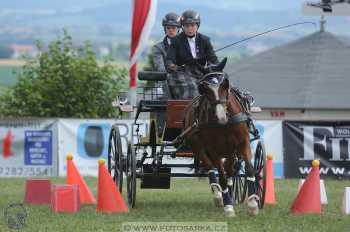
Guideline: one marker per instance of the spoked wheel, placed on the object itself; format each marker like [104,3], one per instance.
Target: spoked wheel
[239,183]
[131,175]
[115,157]
[260,173]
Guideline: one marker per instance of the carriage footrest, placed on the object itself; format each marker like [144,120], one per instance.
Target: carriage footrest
[155,180]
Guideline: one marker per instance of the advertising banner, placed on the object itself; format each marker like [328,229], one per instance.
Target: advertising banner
[327,141]
[28,147]
[87,141]
[271,134]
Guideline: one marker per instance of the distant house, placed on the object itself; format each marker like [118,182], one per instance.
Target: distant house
[19,50]
[104,51]
[307,79]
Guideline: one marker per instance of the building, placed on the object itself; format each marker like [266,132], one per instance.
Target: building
[23,50]
[307,79]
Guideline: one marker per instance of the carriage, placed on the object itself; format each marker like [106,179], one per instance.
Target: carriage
[144,159]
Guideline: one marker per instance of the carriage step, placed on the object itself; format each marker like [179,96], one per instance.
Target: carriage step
[184,154]
[175,154]
[155,180]
[152,105]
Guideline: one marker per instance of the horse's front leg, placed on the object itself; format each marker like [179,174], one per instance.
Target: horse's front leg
[215,187]
[198,149]
[226,194]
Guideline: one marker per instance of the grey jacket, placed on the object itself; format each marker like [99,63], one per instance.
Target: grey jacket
[159,52]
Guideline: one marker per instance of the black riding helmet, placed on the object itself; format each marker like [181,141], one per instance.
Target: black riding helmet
[171,19]
[190,16]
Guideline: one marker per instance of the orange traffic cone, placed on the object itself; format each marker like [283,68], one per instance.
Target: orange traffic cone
[270,185]
[109,199]
[73,177]
[308,199]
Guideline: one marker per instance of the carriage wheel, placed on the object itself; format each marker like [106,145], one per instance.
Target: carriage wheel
[260,170]
[115,157]
[131,175]
[239,183]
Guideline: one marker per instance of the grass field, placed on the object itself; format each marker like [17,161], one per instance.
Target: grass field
[188,200]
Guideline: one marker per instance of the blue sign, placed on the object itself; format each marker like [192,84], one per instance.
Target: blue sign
[38,147]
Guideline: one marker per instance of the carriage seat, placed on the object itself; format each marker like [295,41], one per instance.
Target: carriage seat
[152,76]
[174,118]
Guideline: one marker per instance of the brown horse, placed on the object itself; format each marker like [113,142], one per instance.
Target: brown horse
[222,133]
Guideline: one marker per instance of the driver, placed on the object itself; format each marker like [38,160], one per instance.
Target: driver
[188,49]
[190,46]
[171,25]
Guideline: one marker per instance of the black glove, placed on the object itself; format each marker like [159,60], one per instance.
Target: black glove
[173,68]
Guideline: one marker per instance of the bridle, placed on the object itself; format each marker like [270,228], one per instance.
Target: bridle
[218,82]
[233,118]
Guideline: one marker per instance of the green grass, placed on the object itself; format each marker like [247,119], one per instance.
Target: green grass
[187,200]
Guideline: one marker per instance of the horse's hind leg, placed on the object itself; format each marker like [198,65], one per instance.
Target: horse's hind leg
[229,167]
[253,208]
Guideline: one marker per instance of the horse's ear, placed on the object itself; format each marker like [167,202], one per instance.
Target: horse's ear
[220,66]
[202,69]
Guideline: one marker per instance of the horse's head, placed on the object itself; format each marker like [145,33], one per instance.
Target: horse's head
[215,88]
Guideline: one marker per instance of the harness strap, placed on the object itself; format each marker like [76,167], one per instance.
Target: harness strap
[238,118]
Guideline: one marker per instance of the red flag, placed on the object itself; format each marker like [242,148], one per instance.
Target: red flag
[6,145]
[132,73]
[144,14]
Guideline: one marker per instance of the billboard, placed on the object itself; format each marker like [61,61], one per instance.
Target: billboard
[28,147]
[327,141]
[271,134]
[87,140]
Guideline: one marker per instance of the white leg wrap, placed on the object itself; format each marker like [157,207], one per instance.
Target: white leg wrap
[252,204]
[216,186]
[217,191]
[229,211]
[229,181]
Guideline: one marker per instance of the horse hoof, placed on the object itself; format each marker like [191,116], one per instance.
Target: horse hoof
[253,207]
[229,211]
